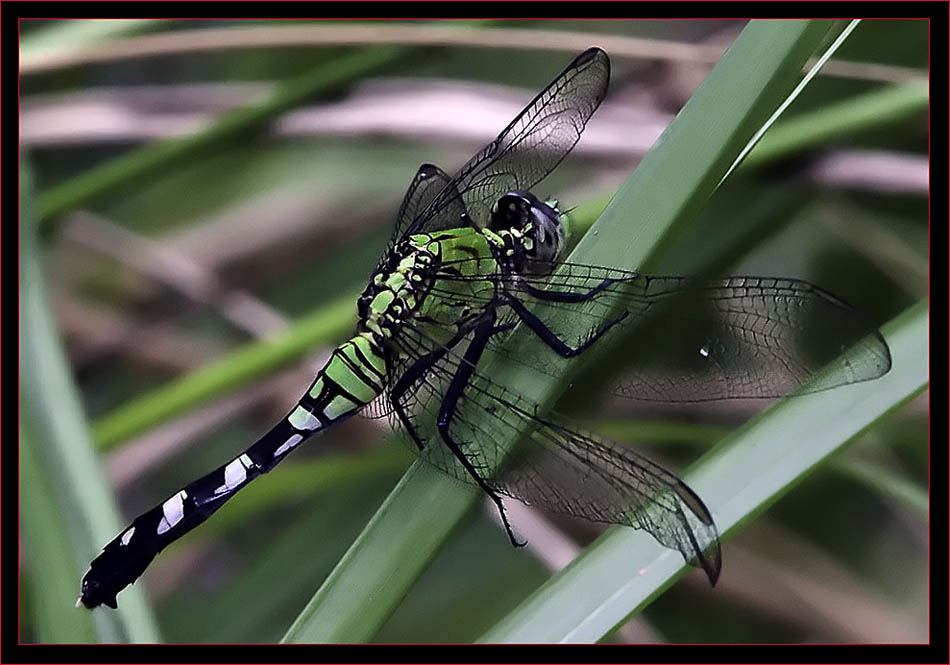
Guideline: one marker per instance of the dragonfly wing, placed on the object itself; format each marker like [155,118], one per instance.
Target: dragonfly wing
[693,341]
[427,183]
[750,337]
[554,465]
[527,150]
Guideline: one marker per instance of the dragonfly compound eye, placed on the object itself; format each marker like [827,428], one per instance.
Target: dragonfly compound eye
[537,223]
[512,211]
[545,238]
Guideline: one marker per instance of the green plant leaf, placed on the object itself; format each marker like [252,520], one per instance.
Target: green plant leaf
[52,570]
[879,107]
[65,37]
[61,459]
[124,171]
[226,374]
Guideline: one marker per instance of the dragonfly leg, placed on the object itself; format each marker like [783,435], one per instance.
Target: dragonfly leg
[405,382]
[551,339]
[483,332]
[407,423]
[409,378]
[572,296]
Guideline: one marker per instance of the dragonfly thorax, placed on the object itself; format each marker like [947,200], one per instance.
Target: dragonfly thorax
[396,289]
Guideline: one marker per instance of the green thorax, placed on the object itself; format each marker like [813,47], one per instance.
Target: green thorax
[409,282]
[418,280]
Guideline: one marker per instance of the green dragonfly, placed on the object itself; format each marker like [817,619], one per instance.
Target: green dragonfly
[476,256]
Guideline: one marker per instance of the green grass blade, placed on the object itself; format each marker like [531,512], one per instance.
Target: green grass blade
[123,171]
[227,373]
[62,458]
[65,37]
[888,484]
[875,477]
[866,112]
[812,72]
[386,559]
[624,570]
[860,113]
[52,569]
[752,78]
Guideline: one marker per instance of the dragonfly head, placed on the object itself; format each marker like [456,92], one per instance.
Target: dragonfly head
[538,224]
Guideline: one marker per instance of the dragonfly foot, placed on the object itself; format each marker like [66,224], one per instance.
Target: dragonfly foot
[504,520]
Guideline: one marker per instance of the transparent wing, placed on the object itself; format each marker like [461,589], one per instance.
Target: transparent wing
[554,465]
[690,341]
[428,182]
[526,151]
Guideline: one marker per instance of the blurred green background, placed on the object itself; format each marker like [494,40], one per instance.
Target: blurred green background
[157,271]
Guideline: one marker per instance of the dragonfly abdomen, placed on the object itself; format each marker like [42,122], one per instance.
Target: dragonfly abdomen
[353,377]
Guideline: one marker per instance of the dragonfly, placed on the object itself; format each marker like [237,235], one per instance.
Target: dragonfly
[475,258]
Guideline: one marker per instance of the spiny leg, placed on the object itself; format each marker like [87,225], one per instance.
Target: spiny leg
[571,296]
[412,374]
[405,382]
[483,332]
[418,370]
[552,340]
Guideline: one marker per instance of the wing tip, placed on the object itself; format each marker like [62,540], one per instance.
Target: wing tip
[711,561]
[590,53]
[708,556]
